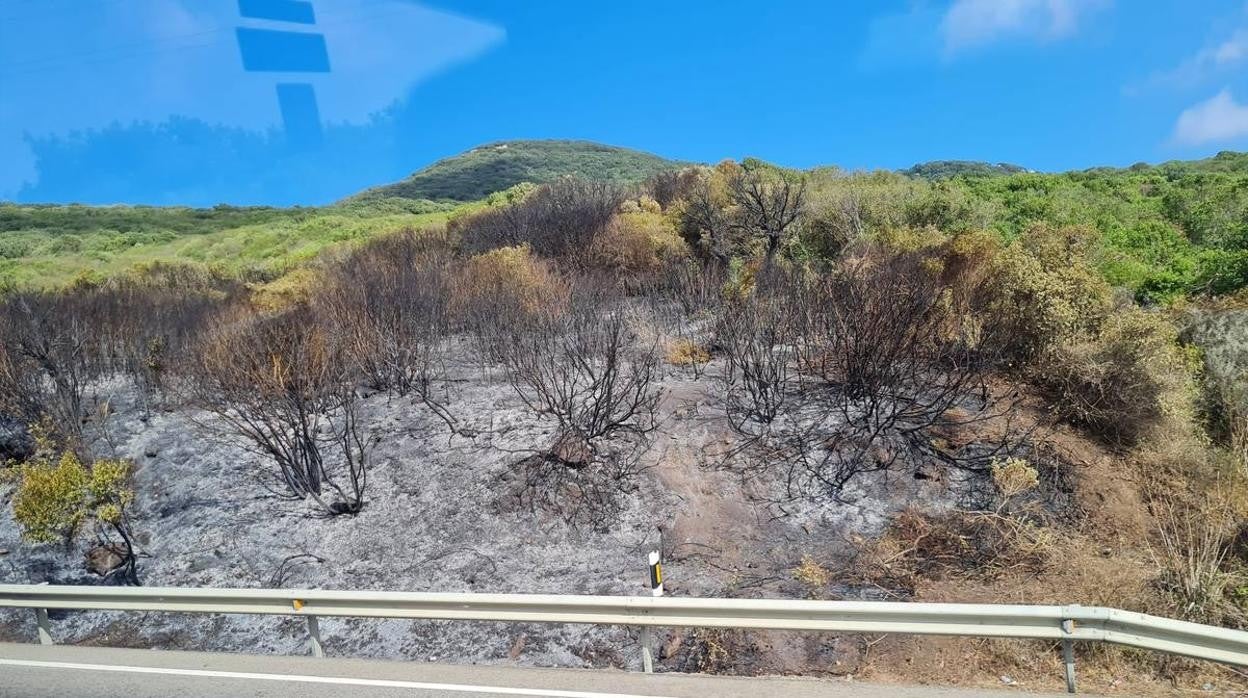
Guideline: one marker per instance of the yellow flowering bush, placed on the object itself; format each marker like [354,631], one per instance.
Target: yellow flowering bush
[55,497]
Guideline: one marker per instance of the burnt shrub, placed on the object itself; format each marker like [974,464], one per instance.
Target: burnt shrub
[287,387]
[670,186]
[48,356]
[55,346]
[585,366]
[561,220]
[862,369]
[146,344]
[388,305]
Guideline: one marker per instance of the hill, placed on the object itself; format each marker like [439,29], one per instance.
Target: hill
[1226,162]
[479,172]
[943,169]
[1165,230]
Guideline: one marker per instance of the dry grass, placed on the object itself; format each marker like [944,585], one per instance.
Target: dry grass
[638,241]
[1192,552]
[508,278]
[286,291]
[918,547]
[1080,571]
[686,352]
[1157,536]
[1238,440]
[813,576]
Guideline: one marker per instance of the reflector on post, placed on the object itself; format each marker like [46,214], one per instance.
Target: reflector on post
[656,589]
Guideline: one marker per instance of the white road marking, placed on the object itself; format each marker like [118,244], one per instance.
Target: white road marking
[336,680]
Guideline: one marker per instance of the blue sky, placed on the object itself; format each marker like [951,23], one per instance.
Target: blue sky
[154,101]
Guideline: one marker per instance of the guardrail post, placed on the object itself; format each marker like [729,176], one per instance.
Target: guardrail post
[647,655]
[1068,654]
[45,628]
[314,636]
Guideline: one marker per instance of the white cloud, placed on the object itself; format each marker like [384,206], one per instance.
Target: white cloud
[1231,51]
[1220,118]
[970,23]
[1207,62]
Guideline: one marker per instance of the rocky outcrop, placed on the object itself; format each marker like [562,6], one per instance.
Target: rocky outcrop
[103,559]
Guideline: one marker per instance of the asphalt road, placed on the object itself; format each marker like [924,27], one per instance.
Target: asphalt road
[35,671]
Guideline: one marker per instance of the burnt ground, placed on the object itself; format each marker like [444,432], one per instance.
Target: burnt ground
[442,515]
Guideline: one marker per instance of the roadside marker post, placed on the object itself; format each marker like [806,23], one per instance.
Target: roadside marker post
[656,589]
[656,574]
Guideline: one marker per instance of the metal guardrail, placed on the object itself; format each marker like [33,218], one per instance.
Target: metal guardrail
[1064,624]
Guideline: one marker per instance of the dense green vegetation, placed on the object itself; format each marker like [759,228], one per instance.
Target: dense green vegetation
[943,169]
[1225,161]
[1164,231]
[47,246]
[1163,234]
[497,166]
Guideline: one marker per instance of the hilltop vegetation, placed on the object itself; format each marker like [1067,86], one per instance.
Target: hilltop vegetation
[49,245]
[944,169]
[1164,232]
[1225,161]
[494,167]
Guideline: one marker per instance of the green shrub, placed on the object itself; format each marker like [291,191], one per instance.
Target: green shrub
[1049,289]
[56,497]
[638,241]
[1123,381]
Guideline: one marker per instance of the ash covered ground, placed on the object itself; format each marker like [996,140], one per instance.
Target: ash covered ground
[440,517]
